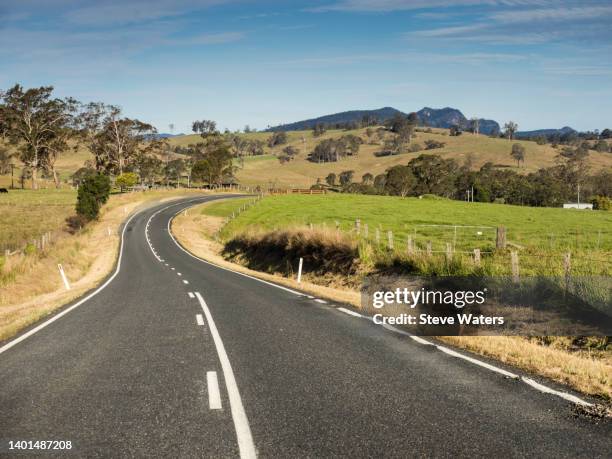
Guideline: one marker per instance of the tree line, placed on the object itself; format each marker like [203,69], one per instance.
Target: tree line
[432,174]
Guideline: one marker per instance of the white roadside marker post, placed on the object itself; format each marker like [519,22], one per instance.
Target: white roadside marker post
[299,277]
[64,278]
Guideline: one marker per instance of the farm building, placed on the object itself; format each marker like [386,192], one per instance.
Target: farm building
[578,205]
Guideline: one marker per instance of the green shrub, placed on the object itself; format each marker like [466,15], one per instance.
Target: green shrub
[601,203]
[93,193]
[126,180]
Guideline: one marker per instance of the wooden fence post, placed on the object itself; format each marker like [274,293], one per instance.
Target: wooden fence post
[477,257]
[377,236]
[429,251]
[500,241]
[358,225]
[567,268]
[410,246]
[449,251]
[337,225]
[366,230]
[390,239]
[515,267]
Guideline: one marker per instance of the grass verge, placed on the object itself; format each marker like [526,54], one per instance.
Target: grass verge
[586,370]
[31,287]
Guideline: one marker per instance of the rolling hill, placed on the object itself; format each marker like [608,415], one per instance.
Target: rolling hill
[479,149]
[437,118]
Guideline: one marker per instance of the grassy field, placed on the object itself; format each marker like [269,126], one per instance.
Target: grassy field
[27,214]
[526,226]
[541,236]
[266,170]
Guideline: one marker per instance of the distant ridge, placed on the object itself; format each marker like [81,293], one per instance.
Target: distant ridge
[545,132]
[440,118]
[352,116]
[162,135]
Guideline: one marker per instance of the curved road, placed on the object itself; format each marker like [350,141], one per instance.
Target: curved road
[178,358]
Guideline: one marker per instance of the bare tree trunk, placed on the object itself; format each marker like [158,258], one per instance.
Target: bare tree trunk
[34,178]
[56,178]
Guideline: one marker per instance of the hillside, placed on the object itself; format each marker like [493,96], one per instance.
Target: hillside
[437,118]
[267,170]
[381,114]
[545,132]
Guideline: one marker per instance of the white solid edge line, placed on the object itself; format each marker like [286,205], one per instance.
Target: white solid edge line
[191,295]
[214,396]
[318,300]
[241,423]
[17,340]
[199,319]
[478,362]
[222,267]
[529,381]
[402,332]
[548,390]
[349,312]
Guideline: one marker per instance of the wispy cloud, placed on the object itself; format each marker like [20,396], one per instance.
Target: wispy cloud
[554,14]
[358,59]
[118,12]
[449,31]
[579,70]
[399,5]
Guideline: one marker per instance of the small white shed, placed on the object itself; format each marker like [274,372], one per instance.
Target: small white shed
[577,205]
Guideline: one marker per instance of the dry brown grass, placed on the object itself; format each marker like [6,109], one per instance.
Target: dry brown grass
[32,287]
[196,233]
[587,372]
[300,172]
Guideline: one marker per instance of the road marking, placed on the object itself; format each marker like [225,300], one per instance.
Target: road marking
[548,390]
[477,362]
[172,269]
[191,295]
[349,312]
[185,282]
[222,267]
[57,316]
[199,319]
[166,264]
[178,274]
[214,396]
[402,332]
[413,337]
[320,301]
[488,366]
[241,423]
[19,339]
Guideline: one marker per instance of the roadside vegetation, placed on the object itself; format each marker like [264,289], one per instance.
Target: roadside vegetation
[269,235]
[30,283]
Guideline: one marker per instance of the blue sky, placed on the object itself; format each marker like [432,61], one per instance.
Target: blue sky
[541,63]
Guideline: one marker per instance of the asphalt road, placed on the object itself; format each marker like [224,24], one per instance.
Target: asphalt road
[131,373]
